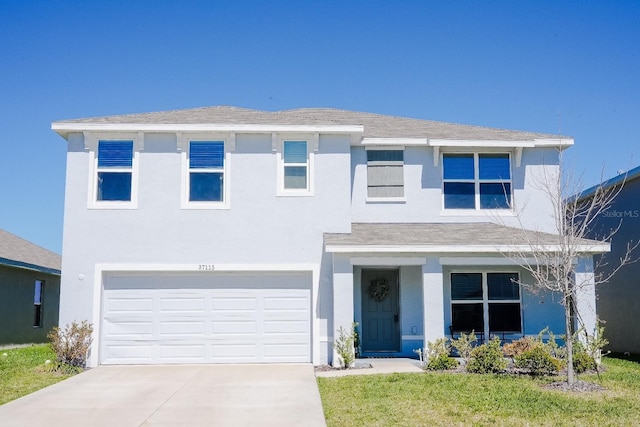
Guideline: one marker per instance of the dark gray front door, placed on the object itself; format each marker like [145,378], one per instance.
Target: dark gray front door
[380,310]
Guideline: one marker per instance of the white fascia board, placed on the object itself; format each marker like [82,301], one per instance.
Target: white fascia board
[480,143]
[450,249]
[554,142]
[64,128]
[394,141]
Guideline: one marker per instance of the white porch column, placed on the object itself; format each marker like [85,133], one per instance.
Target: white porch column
[433,300]
[586,293]
[342,297]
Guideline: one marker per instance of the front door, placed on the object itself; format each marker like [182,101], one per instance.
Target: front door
[380,310]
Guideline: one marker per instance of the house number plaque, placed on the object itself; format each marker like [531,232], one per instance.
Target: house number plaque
[206,267]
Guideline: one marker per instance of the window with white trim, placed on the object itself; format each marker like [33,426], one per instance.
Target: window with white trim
[385,173]
[37,303]
[205,174]
[295,168]
[476,180]
[486,302]
[114,171]
[206,171]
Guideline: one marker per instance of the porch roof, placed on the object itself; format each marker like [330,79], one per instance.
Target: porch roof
[466,238]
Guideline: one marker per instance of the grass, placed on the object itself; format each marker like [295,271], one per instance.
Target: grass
[439,399]
[22,371]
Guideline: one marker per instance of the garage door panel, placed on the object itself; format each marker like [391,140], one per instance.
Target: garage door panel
[231,327]
[286,327]
[286,303]
[233,303]
[130,305]
[124,354]
[172,328]
[184,303]
[130,329]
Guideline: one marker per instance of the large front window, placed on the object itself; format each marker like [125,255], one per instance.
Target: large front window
[486,302]
[476,181]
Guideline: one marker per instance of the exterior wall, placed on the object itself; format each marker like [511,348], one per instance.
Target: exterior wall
[16,305]
[423,201]
[618,302]
[539,310]
[258,228]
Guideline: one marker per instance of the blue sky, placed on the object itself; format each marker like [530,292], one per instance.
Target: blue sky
[570,67]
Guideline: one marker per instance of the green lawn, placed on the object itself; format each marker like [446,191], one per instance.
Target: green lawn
[21,371]
[447,399]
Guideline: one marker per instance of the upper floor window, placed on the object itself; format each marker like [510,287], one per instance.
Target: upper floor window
[477,181]
[114,172]
[485,302]
[205,178]
[295,164]
[385,174]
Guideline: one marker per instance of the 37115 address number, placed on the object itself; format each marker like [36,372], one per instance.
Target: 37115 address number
[206,267]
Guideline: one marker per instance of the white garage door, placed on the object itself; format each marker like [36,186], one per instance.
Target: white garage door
[215,318]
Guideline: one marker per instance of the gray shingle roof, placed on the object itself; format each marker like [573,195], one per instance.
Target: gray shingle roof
[18,252]
[439,235]
[375,125]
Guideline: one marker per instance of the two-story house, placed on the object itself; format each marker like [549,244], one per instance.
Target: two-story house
[223,234]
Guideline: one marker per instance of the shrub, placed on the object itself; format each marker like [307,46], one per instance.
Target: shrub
[344,347]
[72,343]
[487,358]
[437,348]
[442,363]
[583,362]
[464,344]
[537,361]
[516,348]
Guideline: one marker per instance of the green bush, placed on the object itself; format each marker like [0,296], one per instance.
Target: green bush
[487,358]
[464,344]
[442,363]
[582,362]
[537,361]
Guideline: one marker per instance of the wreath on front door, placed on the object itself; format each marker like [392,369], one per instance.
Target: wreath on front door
[379,289]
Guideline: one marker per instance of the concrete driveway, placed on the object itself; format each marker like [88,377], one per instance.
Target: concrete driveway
[175,395]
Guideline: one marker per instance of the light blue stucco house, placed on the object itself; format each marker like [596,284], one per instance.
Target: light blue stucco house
[230,235]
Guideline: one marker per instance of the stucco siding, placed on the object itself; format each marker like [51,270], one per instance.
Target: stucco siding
[618,301]
[423,200]
[258,228]
[17,305]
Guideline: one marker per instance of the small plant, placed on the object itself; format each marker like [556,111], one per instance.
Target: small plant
[72,343]
[537,361]
[464,345]
[487,358]
[344,347]
[583,362]
[437,355]
[442,363]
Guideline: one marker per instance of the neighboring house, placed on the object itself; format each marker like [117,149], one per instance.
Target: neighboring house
[618,301]
[29,290]
[223,234]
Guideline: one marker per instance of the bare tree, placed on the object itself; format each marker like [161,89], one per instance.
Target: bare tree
[551,258]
